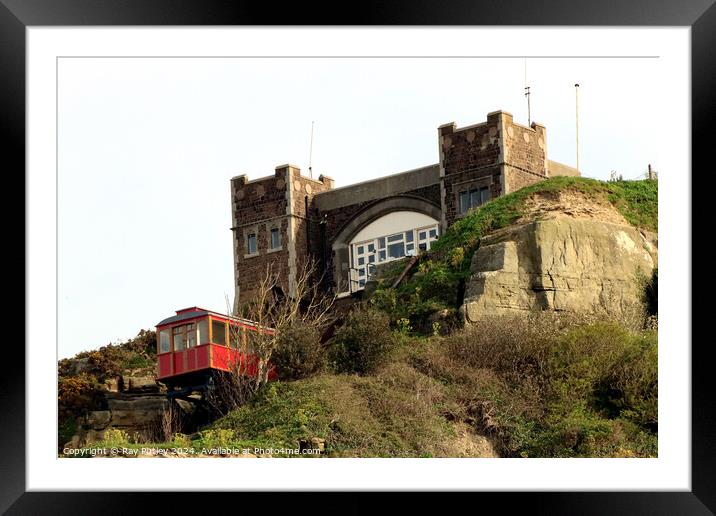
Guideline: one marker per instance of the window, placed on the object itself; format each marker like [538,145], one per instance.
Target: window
[396,250]
[179,338]
[218,332]
[473,198]
[203,331]
[251,247]
[184,336]
[275,238]
[190,335]
[164,341]
[366,255]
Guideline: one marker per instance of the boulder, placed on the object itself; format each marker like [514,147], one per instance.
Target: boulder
[140,384]
[562,263]
[98,419]
[113,384]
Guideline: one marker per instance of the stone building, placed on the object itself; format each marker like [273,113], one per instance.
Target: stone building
[287,218]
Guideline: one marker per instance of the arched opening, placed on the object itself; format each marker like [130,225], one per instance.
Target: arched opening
[390,237]
[398,226]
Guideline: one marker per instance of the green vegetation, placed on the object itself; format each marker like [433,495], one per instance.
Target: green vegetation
[81,379]
[363,343]
[395,381]
[436,284]
[298,352]
[539,387]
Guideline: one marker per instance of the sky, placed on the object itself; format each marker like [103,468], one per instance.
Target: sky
[147,148]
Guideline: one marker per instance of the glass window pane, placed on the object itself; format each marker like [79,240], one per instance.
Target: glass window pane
[361,271]
[251,244]
[218,332]
[203,331]
[474,198]
[410,247]
[484,195]
[371,258]
[423,235]
[275,238]
[164,345]
[371,248]
[396,250]
[381,255]
[360,249]
[361,283]
[381,243]
[361,261]
[408,236]
[179,342]
[395,238]
[191,338]
[433,233]
[464,200]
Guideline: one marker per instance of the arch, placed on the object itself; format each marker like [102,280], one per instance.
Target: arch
[340,243]
[380,208]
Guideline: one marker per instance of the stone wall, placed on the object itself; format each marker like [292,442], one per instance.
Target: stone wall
[282,201]
[469,157]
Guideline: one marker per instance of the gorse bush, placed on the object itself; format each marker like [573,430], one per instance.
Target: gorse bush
[363,343]
[298,352]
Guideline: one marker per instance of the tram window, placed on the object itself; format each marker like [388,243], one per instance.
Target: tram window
[164,341]
[191,336]
[203,331]
[179,340]
[218,332]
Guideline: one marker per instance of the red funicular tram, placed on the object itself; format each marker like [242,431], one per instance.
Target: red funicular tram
[196,344]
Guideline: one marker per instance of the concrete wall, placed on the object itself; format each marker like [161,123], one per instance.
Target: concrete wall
[381,188]
[560,169]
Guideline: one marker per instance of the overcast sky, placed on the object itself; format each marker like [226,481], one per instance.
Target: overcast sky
[147,148]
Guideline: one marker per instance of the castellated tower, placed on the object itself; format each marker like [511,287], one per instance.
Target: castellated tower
[273,223]
[486,160]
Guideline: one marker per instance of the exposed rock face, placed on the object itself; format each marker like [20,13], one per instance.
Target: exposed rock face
[134,404]
[562,262]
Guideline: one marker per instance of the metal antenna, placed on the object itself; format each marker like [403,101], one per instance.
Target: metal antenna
[527,94]
[576,105]
[310,155]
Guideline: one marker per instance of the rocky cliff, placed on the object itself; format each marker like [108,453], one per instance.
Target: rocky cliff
[568,252]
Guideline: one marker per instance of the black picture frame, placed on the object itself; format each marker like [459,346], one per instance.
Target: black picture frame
[700,15]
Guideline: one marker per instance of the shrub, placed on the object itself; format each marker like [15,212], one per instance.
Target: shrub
[114,437]
[78,394]
[551,386]
[363,343]
[298,352]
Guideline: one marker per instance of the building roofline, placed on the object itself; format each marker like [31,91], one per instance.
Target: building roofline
[381,178]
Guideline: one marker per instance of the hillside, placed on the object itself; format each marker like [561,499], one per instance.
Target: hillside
[404,378]
[549,384]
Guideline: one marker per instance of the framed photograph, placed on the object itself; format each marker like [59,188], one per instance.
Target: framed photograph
[417,253]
